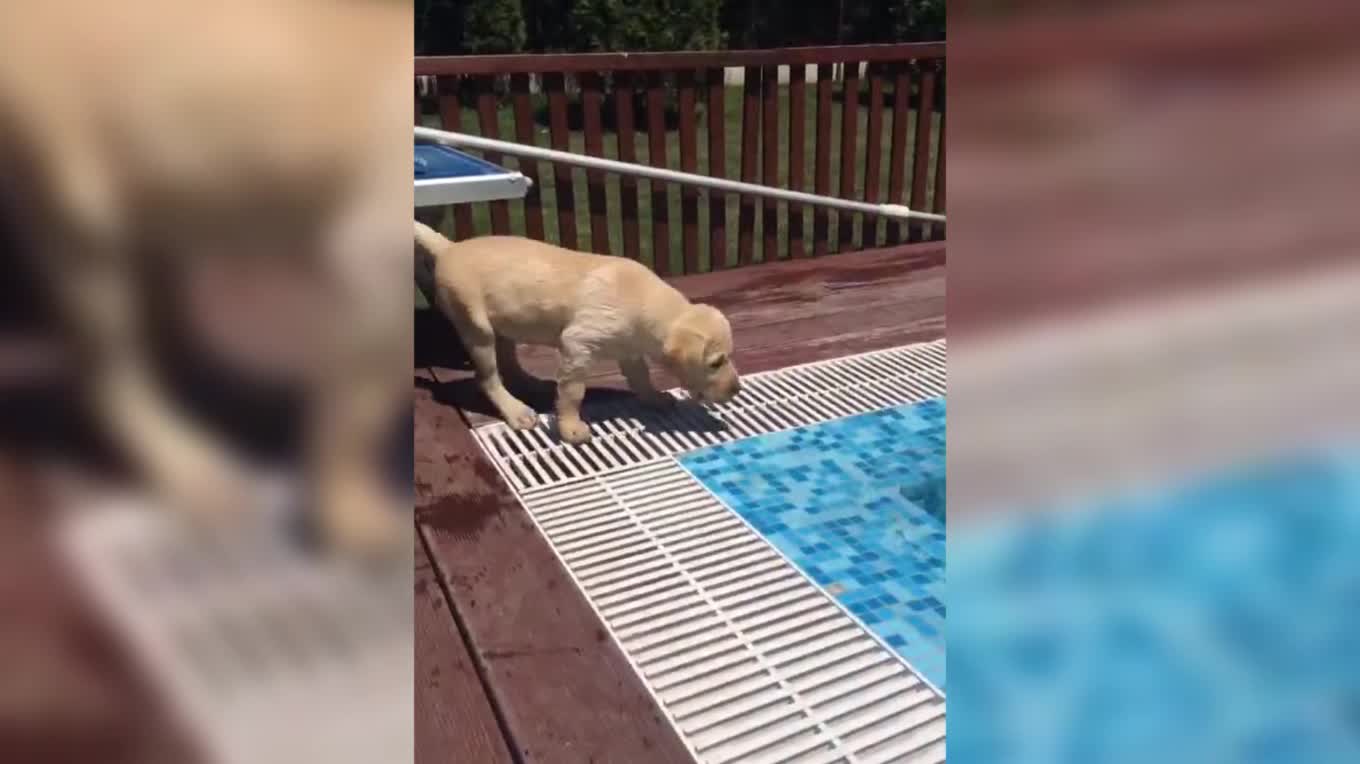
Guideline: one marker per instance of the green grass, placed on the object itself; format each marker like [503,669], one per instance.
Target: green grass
[732,139]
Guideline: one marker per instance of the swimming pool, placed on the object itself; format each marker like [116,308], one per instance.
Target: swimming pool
[1213,620]
[749,657]
[859,505]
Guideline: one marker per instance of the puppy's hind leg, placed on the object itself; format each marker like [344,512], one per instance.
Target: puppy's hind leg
[514,375]
[640,382]
[482,344]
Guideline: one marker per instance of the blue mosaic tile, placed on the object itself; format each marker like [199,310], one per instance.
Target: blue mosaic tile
[1217,619]
[859,505]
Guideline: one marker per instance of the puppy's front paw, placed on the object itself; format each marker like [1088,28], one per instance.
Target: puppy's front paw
[573,430]
[521,417]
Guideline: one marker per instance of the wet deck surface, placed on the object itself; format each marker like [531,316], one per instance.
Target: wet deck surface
[512,663]
[69,692]
[514,623]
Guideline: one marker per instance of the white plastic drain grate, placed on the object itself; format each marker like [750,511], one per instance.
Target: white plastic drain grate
[628,434]
[267,657]
[749,659]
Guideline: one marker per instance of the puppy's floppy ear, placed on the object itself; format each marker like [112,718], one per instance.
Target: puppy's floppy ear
[684,347]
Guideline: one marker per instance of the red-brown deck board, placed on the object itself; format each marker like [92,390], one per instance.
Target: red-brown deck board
[69,692]
[454,719]
[563,688]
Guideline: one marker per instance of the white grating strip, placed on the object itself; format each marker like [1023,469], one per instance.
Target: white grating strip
[268,657]
[751,661]
[627,434]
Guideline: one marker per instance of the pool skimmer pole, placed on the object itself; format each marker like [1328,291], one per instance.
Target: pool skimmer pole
[465,141]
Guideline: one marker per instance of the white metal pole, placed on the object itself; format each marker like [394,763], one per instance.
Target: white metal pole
[462,140]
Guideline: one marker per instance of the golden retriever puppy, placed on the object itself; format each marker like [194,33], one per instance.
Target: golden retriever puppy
[503,290]
[158,130]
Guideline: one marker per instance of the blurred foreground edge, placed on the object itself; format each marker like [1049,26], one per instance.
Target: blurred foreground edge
[124,637]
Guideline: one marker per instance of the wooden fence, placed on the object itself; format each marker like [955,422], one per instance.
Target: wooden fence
[875,132]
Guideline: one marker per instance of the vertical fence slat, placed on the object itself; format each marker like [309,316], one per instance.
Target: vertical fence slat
[489,123]
[717,167]
[873,155]
[897,162]
[849,150]
[920,166]
[750,160]
[822,169]
[592,104]
[451,118]
[689,162]
[624,103]
[769,161]
[937,229]
[797,168]
[823,156]
[524,133]
[560,136]
[656,156]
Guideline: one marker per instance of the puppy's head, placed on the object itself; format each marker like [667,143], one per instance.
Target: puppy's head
[698,351]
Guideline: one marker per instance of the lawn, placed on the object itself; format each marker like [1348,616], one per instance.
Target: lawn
[732,136]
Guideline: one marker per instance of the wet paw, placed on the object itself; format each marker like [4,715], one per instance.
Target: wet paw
[573,430]
[521,417]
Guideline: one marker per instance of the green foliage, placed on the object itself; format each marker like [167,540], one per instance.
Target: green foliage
[771,24]
[438,27]
[633,25]
[549,25]
[779,23]
[494,26]
[917,20]
[504,26]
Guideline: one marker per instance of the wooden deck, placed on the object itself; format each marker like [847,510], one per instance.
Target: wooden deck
[512,663]
[511,659]
[69,692]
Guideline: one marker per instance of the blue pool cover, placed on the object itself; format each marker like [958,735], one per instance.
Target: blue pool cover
[436,161]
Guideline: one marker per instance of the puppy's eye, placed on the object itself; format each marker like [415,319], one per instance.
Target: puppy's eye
[718,362]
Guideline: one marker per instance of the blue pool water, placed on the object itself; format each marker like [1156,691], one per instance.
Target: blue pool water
[1213,620]
[1209,620]
[859,505]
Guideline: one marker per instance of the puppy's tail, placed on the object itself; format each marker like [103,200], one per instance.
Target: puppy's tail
[429,239]
[429,245]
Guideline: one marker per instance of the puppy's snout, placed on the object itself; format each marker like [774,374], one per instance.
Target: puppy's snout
[728,392]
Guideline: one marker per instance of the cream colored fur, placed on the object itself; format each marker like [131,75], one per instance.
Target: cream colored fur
[500,291]
[195,130]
